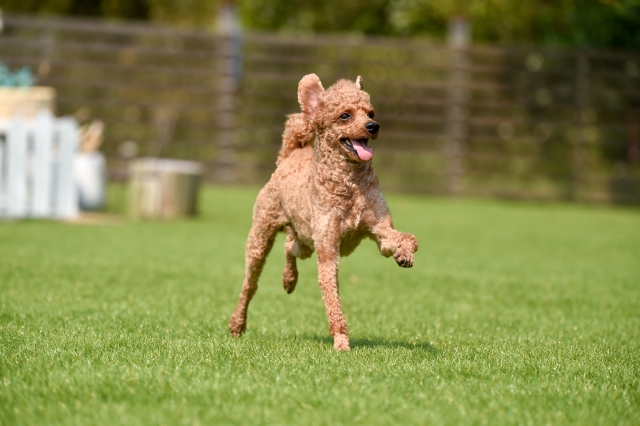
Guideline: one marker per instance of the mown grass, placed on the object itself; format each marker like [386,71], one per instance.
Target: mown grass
[512,314]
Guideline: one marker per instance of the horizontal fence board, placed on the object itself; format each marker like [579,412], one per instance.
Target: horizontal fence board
[178,52]
[99,28]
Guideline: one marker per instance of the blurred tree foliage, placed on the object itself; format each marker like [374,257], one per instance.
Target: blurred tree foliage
[194,13]
[580,23]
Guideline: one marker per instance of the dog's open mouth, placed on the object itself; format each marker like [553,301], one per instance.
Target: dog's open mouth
[358,147]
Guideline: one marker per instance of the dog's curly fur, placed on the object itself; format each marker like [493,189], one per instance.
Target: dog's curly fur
[324,196]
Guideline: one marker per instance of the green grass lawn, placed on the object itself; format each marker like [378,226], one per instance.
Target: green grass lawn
[512,314]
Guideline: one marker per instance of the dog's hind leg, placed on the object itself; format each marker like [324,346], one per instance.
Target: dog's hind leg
[290,274]
[293,249]
[267,221]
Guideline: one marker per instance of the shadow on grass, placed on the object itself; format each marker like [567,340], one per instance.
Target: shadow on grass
[377,342]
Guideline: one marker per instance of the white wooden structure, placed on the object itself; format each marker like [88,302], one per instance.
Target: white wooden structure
[36,167]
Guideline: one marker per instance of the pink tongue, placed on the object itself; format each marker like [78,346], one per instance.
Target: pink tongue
[364,152]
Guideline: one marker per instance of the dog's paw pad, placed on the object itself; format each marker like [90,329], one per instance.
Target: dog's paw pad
[404,259]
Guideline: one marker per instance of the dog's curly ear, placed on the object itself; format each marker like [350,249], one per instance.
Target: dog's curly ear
[309,91]
[359,84]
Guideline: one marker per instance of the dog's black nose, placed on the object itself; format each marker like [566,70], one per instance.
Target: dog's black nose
[372,127]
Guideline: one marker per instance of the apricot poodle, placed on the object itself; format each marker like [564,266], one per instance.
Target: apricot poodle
[325,195]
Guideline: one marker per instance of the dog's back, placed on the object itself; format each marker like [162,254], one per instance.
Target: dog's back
[298,133]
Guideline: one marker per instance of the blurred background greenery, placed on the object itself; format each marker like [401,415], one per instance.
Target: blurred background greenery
[571,23]
[542,103]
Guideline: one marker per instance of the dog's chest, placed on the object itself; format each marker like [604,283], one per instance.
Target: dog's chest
[344,201]
[352,213]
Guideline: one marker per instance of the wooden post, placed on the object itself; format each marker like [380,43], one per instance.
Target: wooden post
[47,45]
[457,129]
[229,72]
[579,144]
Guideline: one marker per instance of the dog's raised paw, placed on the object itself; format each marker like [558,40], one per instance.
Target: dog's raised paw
[403,258]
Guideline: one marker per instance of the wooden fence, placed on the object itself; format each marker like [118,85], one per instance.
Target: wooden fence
[516,122]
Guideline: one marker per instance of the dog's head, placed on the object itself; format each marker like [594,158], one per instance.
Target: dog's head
[342,114]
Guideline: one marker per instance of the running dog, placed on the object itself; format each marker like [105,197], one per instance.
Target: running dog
[325,195]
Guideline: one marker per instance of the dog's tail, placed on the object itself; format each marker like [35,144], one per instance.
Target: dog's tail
[298,133]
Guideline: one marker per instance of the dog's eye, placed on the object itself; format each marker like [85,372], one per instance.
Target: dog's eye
[371,114]
[345,116]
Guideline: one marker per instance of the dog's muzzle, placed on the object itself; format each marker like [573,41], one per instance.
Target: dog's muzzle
[372,127]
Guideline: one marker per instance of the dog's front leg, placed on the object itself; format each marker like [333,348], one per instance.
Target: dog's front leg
[401,245]
[327,243]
